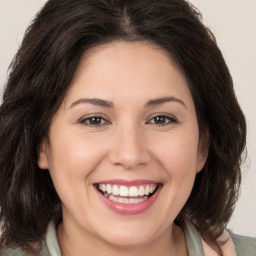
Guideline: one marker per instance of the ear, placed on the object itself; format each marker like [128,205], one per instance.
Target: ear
[202,151]
[42,153]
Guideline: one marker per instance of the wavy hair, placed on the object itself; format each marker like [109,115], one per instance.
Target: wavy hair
[41,74]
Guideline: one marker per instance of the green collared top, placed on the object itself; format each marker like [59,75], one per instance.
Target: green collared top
[244,246]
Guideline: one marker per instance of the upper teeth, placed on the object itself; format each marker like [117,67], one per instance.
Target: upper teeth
[133,191]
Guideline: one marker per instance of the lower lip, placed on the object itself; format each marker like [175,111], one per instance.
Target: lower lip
[129,209]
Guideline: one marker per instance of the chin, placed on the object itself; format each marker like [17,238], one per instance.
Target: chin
[128,238]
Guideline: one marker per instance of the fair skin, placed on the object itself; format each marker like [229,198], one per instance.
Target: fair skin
[128,117]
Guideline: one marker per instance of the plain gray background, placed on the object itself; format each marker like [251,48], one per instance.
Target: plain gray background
[234,24]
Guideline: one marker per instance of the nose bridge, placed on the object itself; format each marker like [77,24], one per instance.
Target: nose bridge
[129,147]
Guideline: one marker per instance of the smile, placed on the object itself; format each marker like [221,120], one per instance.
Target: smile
[125,191]
[128,199]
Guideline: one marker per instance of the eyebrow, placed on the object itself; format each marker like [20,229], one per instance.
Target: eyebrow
[164,100]
[109,104]
[93,101]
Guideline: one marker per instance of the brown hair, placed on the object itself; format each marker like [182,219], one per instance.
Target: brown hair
[40,77]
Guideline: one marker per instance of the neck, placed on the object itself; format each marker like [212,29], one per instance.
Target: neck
[171,242]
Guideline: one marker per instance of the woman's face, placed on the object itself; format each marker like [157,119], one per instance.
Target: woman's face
[124,147]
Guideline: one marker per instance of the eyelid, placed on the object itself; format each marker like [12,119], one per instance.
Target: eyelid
[171,117]
[85,118]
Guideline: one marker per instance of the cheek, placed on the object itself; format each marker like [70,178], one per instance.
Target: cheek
[178,157]
[71,161]
[178,154]
[180,163]
[180,166]
[75,153]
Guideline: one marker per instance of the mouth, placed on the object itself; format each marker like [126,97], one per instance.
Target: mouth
[128,197]
[127,194]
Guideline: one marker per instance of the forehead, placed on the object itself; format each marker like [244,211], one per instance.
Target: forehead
[124,68]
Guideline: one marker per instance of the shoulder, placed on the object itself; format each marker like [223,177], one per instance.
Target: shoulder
[49,245]
[11,251]
[16,251]
[244,245]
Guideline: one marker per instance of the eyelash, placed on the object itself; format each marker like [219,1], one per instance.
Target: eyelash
[164,120]
[88,121]
[96,121]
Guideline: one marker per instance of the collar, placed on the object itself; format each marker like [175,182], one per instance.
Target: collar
[198,247]
[195,244]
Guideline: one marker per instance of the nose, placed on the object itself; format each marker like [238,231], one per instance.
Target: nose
[129,148]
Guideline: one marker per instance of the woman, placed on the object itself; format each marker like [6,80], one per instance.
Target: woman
[121,134]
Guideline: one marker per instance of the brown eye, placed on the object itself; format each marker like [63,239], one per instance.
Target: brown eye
[162,120]
[94,121]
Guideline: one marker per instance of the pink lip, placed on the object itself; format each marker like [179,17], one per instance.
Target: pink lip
[127,182]
[129,209]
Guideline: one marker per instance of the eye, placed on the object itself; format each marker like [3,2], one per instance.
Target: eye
[94,121]
[162,120]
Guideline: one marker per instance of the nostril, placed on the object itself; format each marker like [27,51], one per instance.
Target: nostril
[129,160]
[128,149]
